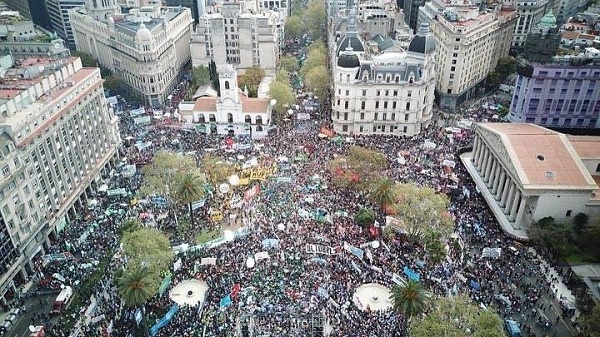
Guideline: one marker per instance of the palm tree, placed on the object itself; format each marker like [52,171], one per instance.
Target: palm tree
[383,193]
[188,189]
[410,298]
[136,286]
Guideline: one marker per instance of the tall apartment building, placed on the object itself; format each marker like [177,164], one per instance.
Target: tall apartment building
[530,13]
[147,48]
[411,12]
[388,93]
[469,40]
[238,37]
[562,94]
[569,8]
[57,134]
[34,10]
[58,12]
[21,38]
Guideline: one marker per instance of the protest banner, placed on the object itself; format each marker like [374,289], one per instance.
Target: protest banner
[261,256]
[206,261]
[319,249]
[354,250]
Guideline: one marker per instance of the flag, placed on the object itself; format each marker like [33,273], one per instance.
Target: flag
[225,301]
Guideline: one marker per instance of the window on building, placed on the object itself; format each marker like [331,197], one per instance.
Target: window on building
[345,128]
[362,115]
[568,214]
[346,105]
[363,105]
[377,105]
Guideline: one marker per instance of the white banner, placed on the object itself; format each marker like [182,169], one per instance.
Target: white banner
[319,249]
[397,279]
[177,265]
[205,261]
[491,252]
[449,163]
[261,256]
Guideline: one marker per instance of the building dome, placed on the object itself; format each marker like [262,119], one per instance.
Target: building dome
[423,42]
[348,60]
[350,42]
[143,33]
[549,20]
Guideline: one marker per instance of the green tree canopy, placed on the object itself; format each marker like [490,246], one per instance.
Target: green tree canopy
[189,188]
[293,27]
[316,58]
[316,16]
[216,169]
[148,247]
[365,217]
[457,316]
[421,209]
[554,236]
[359,169]
[130,225]
[410,298]
[591,323]
[383,192]
[136,286]
[284,96]
[200,76]
[163,171]
[289,63]
[251,80]
[318,81]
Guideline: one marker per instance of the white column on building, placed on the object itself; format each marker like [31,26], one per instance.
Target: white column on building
[482,158]
[515,206]
[505,191]
[500,186]
[497,177]
[476,142]
[488,168]
[510,198]
[520,211]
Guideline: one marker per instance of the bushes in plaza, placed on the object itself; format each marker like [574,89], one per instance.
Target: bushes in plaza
[365,217]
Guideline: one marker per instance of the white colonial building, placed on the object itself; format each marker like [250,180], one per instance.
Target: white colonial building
[230,113]
[147,47]
[382,93]
[235,35]
[526,172]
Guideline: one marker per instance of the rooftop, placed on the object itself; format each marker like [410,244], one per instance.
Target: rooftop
[541,157]
[25,73]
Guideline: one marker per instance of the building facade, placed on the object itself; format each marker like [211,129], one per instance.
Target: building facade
[411,12]
[530,13]
[56,136]
[469,42]
[238,37]
[526,172]
[543,41]
[58,12]
[387,93]
[231,112]
[147,47]
[563,94]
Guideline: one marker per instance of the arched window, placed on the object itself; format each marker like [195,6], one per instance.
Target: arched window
[230,118]
[226,84]
[347,78]
[211,118]
[258,128]
[247,119]
[258,120]
[201,119]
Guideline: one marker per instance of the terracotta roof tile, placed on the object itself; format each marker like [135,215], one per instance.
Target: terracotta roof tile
[206,104]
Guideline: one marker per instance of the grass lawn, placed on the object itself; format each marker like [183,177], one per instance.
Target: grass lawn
[205,236]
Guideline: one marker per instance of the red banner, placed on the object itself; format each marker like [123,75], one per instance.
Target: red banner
[251,192]
[327,132]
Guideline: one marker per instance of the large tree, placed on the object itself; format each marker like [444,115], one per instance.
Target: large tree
[284,96]
[359,169]
[163,171]
[317,57]
[217,170]
[457,316]
[591,323]
[147,247]
[318,81]
[316,17]
[200,75]
[189,188]
[421,209]
[289,63]
[293,27]
[251,80]
[136,287]
[383,193]
[410,298]
[556,237]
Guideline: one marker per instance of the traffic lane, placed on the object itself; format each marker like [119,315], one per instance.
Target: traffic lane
[33,305]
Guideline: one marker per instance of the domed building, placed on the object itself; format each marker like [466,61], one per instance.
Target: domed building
[148,47]
[388,93]
[543,41]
